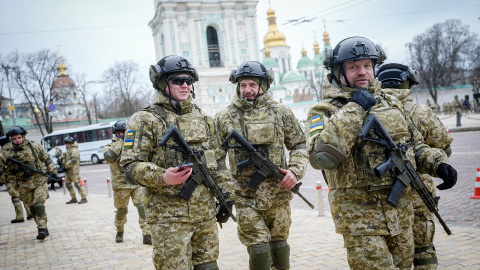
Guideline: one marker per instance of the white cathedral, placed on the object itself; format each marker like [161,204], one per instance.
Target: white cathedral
[218,35]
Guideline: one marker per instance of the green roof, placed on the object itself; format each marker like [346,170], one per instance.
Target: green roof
[269,62]
[276,87]
[318,59]
[304,62]
[293,77]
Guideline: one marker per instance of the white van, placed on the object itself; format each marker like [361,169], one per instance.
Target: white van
[91,140]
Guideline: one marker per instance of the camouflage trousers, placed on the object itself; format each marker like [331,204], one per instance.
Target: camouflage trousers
[262,222]
[32,196]
[183,245]
[75,179]
[121,198]
[380,252]
[17,203]
[423,232]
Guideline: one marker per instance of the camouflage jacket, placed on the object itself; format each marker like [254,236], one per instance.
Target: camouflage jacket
[71,159]
[144,161]
[33,155]
[112,153]
[336,122]
[268,125]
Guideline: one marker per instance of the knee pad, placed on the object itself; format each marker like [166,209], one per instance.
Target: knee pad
[141,210]
[32,210]
[77,185]
[122,213]
[260,257]
[280,254]
[425,256]
[15,199]
[206,266]
[69,185]
[39,209]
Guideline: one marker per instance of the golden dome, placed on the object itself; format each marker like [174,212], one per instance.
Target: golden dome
[304,52]
[61,68]
[273,38]
[326,38]
[316,47]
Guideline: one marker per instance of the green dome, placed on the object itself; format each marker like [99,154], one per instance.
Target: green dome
[293,77]
[318,59]
[269,62]
[304,62]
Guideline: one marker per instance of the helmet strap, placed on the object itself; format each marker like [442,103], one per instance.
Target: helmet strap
[172,101]
[342,73]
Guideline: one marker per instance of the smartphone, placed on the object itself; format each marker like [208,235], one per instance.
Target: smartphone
[183,166]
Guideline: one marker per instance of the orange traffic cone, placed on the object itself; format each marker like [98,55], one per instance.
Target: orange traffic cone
[81,182]
[476,193]
[448,131]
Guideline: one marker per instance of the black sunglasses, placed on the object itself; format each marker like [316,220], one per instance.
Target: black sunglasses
[183,79]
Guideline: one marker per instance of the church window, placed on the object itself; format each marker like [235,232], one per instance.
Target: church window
[283,65]
[213,47]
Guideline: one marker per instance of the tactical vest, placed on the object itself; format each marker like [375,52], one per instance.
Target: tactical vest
[263,132]
[27,156]
[194,129]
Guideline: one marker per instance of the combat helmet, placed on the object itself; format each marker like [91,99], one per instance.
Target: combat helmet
[252,69]
[393,75]
[16,130]
[351,49]
[69,140]
[170,64]
[119,126]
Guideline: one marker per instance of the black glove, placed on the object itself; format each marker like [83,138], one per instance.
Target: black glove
[222,212]
[364,98]
[448,175]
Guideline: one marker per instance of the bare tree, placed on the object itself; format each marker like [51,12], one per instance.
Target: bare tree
[84,90]
[441,55]
[125,89]
[35,74]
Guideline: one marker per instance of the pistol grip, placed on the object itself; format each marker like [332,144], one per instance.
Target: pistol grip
[396,193]
[188,189]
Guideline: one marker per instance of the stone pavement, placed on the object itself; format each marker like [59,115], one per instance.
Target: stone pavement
[82,237]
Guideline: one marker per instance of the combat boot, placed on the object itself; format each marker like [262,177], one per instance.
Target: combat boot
[46,232]
[17,220]
[119,237]
[147,239]
[29,217]
[41,234]
[73,200]
[83,200]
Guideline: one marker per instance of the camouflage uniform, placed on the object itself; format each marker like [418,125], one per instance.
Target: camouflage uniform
[71,159]
[12,188]
[184,233]
[435,136]
[456,105]
[376,234]
[122,191]
[31,186]
[264,215]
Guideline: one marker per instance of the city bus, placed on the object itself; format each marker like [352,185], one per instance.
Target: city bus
[91,140]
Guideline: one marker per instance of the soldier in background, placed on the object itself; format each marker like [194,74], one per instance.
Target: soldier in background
[122,191]
[436,136]
[376,234]
[456,105]
[184,233]
[31,185]
[10,184]
[71,160]
[264,215]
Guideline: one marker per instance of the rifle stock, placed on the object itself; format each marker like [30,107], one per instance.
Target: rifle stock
[200,174]
[264,165]
[398,165]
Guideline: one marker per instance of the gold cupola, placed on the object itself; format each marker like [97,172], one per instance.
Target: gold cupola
[326,38]
[273,38]
[62,69]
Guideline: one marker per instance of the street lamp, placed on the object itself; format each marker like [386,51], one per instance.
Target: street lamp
[11,108]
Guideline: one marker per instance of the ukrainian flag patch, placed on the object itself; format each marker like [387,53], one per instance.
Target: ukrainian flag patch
[316,124]
[129,138]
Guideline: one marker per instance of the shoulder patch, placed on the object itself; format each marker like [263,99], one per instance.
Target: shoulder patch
[316,124]
[129,138]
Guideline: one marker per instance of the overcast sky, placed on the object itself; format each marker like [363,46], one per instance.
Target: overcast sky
[93,34]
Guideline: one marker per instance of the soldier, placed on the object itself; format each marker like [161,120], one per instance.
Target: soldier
[11,185]
[263,214]
[456,105]
[31,185]
[436,136]
[184,233]
[122,191]
[71,160]
[376,234]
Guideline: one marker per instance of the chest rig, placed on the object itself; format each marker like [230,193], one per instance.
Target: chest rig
[260,129]
[27,156]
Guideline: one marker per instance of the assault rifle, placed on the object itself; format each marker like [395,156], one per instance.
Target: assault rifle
[398,165]
[265,166]
[200,173]
[29,169]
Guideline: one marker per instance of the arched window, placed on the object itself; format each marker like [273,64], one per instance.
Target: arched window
[213,48]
